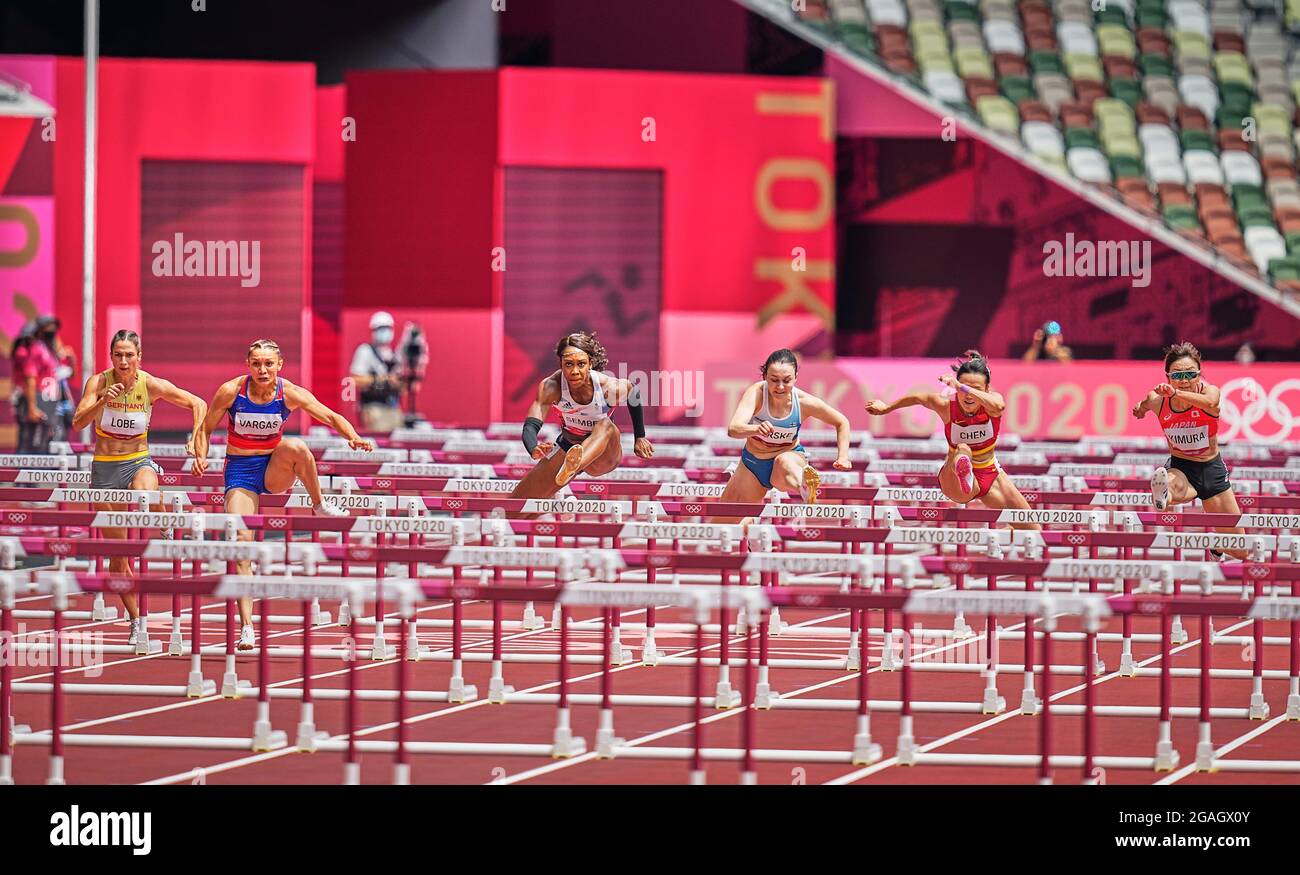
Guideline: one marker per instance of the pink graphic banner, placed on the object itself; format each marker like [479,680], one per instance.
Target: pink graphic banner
[26,262]
[1261,403]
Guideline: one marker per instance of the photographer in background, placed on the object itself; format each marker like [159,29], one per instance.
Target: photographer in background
[415,359]
[1049,345]
[376,373]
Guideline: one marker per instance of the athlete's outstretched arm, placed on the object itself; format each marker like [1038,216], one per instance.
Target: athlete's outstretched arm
[91,402]
[625,392]
[1207,399]
[740,426]
[299,398]
[992,402]
[168,391]
[932,400]
[548,393]
[1149,404]
[816,408]
[217,410]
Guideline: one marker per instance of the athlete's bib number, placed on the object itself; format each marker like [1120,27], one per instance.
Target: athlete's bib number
[127,423]
[258,424]
[972,434]
[581,423]
[1194,438]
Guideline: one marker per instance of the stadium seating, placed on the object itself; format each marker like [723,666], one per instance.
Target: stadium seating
[1183,109]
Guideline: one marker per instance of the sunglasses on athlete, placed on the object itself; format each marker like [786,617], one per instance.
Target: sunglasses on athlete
[1184,375]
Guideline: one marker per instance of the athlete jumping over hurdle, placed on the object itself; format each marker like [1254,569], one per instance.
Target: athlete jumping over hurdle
[972,420]
[1195,469]
[256,406]
[589,441]
[769,416]
[119,402]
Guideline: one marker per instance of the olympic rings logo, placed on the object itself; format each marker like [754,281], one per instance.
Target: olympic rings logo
[61,548]
[959,567]
[1259,572]
[170,479]
[1257,404]
[383,484]
[544,529]
[16,517]
[928,513]
[657,560]
[810,534]
[362,554]
[1168,519]
[694,508]
[277,522]
[597,488]
[1076,540]
[455,504]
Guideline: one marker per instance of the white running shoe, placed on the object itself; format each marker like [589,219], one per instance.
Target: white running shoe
[329,508]
[1160,489]
[247,641]
[965,474]
[135,632]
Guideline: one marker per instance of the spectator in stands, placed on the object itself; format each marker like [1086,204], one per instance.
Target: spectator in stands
[1049,344]
[47,331]
[1245,355]
[375,373]
[36,404]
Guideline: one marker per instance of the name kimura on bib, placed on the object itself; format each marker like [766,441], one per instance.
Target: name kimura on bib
[258,424]
[1189,438]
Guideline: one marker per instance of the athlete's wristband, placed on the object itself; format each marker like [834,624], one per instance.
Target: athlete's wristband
[532,425]
[636,413]
[963,388]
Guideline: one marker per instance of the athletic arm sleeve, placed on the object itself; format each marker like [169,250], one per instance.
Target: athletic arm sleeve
[532,425]
[635,412]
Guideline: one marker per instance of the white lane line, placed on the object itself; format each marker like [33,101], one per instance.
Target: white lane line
[455,709]
[587,757]
[970,730]
[1174,777]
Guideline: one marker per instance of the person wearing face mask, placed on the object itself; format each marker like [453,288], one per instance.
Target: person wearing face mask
[374,371]
[59,392]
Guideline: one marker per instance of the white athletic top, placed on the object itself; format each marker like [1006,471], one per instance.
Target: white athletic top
[784,430]
[580,419]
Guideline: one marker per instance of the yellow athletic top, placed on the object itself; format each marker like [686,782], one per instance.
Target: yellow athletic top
[126,417]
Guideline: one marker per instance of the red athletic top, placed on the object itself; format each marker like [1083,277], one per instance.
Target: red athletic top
[978,430]
[1190,431]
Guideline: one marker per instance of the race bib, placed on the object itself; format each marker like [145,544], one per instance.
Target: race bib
[1189,438]
[972,434]
[779,435]
[123,423]
[258,424]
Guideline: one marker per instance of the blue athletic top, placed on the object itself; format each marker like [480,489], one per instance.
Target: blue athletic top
[257,426]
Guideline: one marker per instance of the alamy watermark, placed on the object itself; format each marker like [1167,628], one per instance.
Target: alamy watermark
[684,389]
[80,650]
[206,258]
[1103,258]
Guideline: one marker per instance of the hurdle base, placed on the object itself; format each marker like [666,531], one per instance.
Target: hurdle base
[232,687]
[621,654]
[1098,667]
[763,696]
[266,739]
[906,752]
[101,612]
[889,661]
[649,652]
[322,618]
[865,751]
[1127,667]
[147,647]
[6,771]
[175,644]
[1177,634]
[308,736]
[351,774]
[1167,758]
[345,614]
[565,745]
[606,741]
[961,629]
[458,692]
[993,703]
[725,697]
[1258,707]
[498,689]
[1293,707]
[853,662]
[775,625]
[381,649]
[531,622]
[1205,757]
[1030,704]
[196,687]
